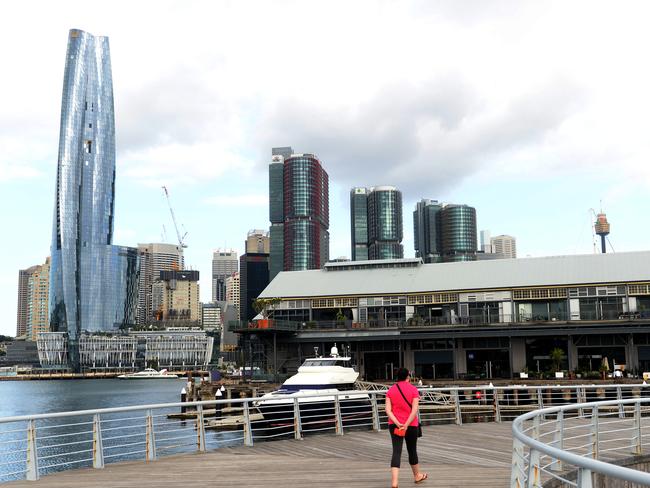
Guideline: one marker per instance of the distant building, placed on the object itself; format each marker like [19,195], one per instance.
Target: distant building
[444,232]
[376,223]
[33,301]
[504,245]
[211,316]
[154,258]
[232,291]
[176,297]
[23,301]
[486,244]
[298,211]
[224,264]
[257,242]
[253,278]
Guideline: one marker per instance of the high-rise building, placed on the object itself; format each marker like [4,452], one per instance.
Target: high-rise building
[154,258]
[359,223]
[426,231]
[93,284]
[385,223]
[505,246]
[253,278]
[232,291]
[211,316]
[175,297]
[458,230]
[33,298]
[299,212]
[224,264]
[257,242]
[486,242]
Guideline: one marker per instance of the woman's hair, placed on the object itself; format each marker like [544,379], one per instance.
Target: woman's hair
[402,374]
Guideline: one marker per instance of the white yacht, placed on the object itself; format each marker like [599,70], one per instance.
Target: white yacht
[148,374]
[315,386]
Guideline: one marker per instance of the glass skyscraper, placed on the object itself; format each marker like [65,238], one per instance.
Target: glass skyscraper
[426,231]
[359,223]
[93,284]
[376,220]
[299,212]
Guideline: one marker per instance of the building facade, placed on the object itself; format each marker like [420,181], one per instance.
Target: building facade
[38,319]
[176,297]
[253,278]
[505,246]
[23,301]
[299,211]
[257,242]
[154,258]
[359,223]
[224,264]
[233,292]
[93,284]
[426,231]
[211,317]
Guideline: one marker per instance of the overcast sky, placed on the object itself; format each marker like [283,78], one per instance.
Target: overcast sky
[533,112]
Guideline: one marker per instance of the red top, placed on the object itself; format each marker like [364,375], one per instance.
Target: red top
[401,409]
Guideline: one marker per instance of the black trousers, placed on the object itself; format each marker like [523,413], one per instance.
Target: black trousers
[411,439]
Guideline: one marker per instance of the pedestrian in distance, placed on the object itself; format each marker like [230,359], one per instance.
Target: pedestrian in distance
[402,402]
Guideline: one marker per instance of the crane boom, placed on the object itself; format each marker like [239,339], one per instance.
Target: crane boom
[171,210]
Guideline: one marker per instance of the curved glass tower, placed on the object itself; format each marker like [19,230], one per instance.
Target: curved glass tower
[458,225]
[93,284]
[385,223]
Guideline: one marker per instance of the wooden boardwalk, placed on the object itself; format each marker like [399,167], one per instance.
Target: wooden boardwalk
[454,456]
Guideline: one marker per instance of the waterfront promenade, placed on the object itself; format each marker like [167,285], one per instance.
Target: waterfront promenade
[454,456]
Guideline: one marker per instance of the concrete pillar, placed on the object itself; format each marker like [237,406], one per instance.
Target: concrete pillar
[572,354]
[631,354]
[410,310]
[460,359]
[517,354]
[409,356]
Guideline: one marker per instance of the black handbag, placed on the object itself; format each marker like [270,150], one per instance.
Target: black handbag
[411,405]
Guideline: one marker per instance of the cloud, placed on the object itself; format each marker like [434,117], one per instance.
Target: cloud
[253,200]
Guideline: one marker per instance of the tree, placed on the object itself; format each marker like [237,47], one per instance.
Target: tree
[557,356]
[265,306]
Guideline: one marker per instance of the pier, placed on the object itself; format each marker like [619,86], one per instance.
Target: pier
[453,455]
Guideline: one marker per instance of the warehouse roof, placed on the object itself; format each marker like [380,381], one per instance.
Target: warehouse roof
[391,278]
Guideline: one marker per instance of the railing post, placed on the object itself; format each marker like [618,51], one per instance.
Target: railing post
[200,429]
[98,444]
[297,423]
[621,407]
[581,397]
[594,432]
[636,432]
[558,440]
[540,398]
[337,415]
[584,478]
[497,408]
[32,453]
[376,424]
[150,438]
[517,474]
[248,428]
[534,475]
[459,412]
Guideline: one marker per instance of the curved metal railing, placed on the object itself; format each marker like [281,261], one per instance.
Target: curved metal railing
[581,444]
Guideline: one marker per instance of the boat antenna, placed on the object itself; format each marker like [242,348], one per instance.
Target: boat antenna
[316,351]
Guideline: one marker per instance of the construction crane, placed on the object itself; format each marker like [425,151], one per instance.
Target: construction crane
[181,242]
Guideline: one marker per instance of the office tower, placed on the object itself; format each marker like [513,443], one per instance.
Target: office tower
[426,231]
[154,258]
[224,264]
[93,285]
[23,301]
[253,278]
[505,246]
[175,297]
[257,242]
[299,212]
[359,223]
[211,316]
[385,223]
[486,243]
[458,230]
[33,298]
[232,291]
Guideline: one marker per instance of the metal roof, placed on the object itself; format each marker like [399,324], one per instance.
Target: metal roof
[474,275]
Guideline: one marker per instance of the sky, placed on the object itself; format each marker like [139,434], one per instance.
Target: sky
[532,112]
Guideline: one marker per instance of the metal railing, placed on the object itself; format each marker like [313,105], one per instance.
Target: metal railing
[582,445]
[34,445]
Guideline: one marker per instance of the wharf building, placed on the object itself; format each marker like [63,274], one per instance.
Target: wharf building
[376,223]
[154,258]
[253,272]
[298,211]
[444,232]
[93,284]
[224,264]
[465,320]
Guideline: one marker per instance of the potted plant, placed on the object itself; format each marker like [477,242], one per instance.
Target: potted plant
[265,306]
[556,356]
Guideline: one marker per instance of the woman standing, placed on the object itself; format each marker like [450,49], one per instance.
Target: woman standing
[402,400]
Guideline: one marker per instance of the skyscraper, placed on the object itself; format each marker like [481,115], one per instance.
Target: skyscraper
[224,264]
[299,212]
[33,298]
[93,285]
[505,246]
[154,258]
[175,297]
[378,234]
[232,291]
[257,242]
[359,223]
[23,301]
[426,231]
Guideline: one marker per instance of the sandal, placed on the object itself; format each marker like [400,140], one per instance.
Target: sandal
[422,478]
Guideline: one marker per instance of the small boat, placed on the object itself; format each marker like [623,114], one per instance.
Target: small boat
[148,374]
[315,386]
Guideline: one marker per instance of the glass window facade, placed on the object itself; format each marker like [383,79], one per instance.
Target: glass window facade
[359,223]
[459,236]
[385,223]
[426,231]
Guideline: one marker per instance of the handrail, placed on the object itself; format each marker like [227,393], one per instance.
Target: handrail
[578,461]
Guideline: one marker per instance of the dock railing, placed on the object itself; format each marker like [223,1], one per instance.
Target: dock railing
[35,445]
[582,445]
